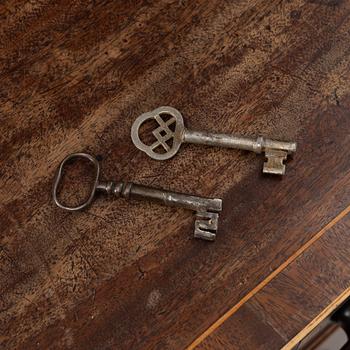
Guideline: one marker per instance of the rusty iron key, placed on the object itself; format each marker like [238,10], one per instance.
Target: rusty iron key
[171,132]
[206,209]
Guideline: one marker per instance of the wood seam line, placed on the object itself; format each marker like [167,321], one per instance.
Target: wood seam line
[267,280]
[317,320]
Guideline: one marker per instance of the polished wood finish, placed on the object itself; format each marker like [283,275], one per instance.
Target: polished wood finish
[129,275]
[296,301]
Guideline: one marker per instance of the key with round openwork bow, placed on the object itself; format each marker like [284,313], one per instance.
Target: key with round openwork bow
[171,132]
[206,209]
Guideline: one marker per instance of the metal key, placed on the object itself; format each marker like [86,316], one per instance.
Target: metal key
[206,209]
[171,132]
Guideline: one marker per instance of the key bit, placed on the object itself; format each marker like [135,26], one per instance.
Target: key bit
[170,134]
[274,163]
[206,225]
[207,208]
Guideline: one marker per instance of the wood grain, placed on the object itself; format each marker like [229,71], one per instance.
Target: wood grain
[298,299]
[291,258]
[129,275]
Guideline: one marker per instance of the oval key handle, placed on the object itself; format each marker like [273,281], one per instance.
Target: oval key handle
[166,139]
[60,174]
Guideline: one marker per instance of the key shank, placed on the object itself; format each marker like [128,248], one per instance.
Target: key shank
[276,152]
[239,142]
[134,191]
[206,209]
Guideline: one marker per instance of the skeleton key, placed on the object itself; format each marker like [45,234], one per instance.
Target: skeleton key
[206,209]
[171,133]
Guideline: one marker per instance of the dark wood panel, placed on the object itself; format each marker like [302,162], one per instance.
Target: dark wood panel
[245,330]
[312,283]
[294,299]
[74,76]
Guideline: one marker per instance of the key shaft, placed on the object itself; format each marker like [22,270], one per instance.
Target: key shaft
[257,145]
[206,209]
[276,152]
[169,198]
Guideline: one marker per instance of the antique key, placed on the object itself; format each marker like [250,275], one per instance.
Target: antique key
[171,132]
[206,209]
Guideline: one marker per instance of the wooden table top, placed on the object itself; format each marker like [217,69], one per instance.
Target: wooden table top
[128,274]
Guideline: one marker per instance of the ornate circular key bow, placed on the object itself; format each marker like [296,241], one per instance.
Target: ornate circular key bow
[276,152]
[166,139]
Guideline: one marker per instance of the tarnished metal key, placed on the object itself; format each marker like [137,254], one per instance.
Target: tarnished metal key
[206,209]
[171,132]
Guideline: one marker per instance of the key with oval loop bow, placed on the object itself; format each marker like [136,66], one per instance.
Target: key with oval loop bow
[206,209]
[171,133]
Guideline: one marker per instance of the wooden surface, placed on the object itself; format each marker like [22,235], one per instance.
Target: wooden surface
[129,275]
[279,314]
